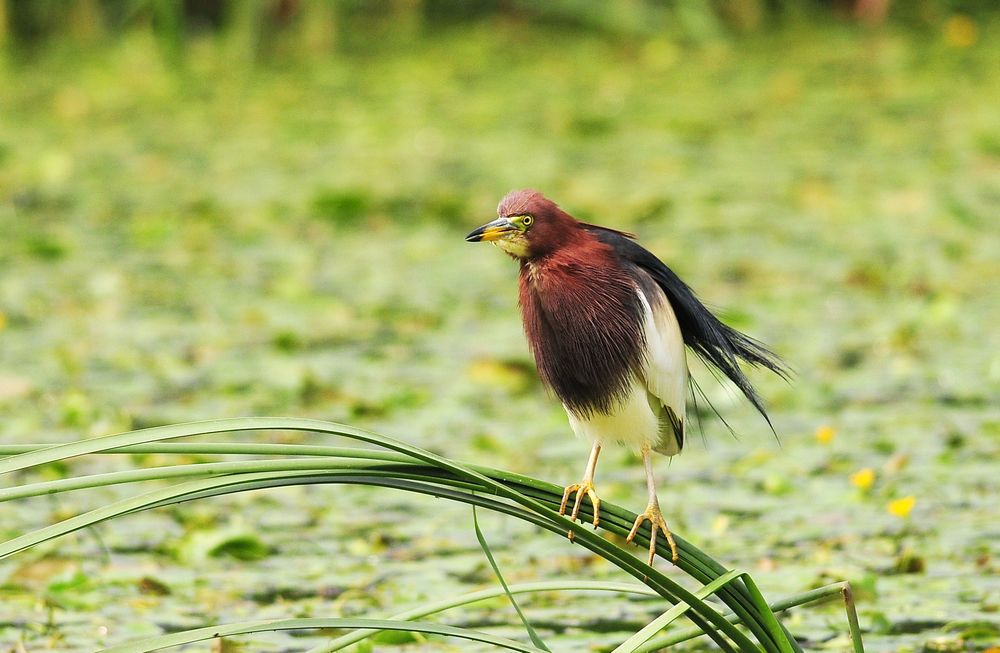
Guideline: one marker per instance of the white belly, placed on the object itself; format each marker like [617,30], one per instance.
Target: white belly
[632,424]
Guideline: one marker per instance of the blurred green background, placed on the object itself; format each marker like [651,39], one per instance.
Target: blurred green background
[218,208]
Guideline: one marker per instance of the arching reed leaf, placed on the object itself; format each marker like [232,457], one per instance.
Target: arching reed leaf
[692,561]
[467,599]
[702,614]
[656,625]
[402,467]
[532,634]
[249,627]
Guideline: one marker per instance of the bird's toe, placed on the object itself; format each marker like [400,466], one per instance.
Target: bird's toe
[657,524]
[581,490]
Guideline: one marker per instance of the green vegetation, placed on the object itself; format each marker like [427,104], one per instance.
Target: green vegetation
[404,467]
[200,233]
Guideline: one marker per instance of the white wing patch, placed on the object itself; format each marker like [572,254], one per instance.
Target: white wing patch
[665,371]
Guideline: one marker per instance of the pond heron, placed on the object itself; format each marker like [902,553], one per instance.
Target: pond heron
[607,323]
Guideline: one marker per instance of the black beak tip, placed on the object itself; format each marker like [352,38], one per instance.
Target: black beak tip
[475,236]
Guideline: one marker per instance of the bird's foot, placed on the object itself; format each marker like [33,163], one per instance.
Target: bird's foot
[657,523]
[581,489]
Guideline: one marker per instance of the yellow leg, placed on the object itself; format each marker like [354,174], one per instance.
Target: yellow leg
[652,514]
[584,487]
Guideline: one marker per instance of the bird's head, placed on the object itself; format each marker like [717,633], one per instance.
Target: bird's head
[529,225]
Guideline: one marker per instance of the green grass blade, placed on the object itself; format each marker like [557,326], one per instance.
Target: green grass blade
[180,471]
[770,621]
[501,484]
[826,592]
[117,509]
[227,448]
[820,594]
[693,560]
[94,445]
[532,634]
[197,489]
[426,488]
[249,627]
[467,599]
[632,644]
[852,617]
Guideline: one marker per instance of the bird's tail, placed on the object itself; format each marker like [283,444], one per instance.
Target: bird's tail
[723,347]
[719,345]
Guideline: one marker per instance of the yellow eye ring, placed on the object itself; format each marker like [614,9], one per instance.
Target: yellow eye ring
[527,220]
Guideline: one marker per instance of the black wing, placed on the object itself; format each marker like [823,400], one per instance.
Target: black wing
[719,345]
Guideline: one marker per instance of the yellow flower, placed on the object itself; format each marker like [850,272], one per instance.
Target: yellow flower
[960,32]
[902,507]
[863,479]
[825,433]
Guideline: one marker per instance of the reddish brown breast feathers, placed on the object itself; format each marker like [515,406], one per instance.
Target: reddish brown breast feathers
[583,321]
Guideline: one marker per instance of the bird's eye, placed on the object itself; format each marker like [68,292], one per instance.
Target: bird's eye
[527,220]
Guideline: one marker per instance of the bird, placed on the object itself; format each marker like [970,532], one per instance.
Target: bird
[609,326]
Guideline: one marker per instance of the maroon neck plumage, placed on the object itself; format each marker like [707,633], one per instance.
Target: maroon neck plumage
[582,316]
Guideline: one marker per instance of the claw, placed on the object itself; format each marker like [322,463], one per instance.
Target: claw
[581,489]
[657,524]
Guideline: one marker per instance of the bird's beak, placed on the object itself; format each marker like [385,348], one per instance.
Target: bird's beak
[491,231]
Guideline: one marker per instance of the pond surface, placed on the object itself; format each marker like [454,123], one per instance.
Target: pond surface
[289,241]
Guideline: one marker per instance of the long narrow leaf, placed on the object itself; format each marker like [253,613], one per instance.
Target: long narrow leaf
[656,625]
[701,614]
[467,599]
[693,561]
[178,471]
[763,609]
[268,481]
[249,627]
[240,482]
[820,594]
[174,431]
[236,448]
[532,634]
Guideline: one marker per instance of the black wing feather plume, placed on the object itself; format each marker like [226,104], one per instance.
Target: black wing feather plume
[718,344]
